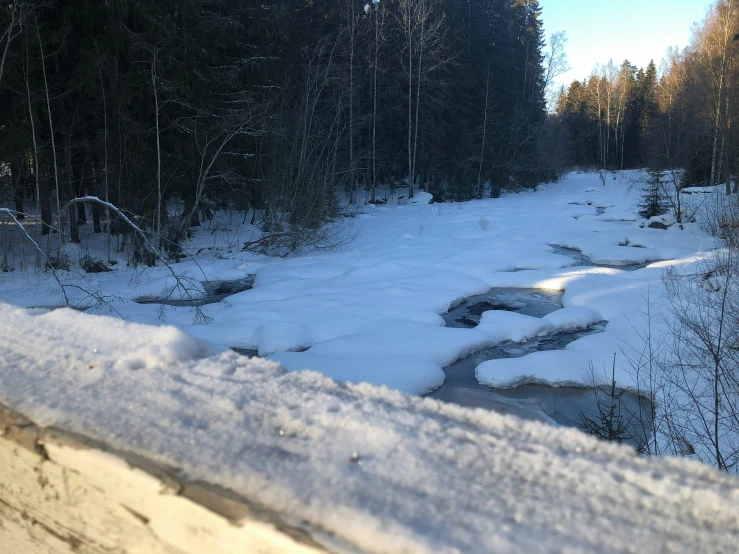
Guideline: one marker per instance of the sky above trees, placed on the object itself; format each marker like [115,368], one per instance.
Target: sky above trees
[637,30]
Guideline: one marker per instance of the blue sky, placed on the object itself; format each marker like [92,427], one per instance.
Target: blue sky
[637,30]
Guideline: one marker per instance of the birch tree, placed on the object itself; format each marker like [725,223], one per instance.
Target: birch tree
[424,36]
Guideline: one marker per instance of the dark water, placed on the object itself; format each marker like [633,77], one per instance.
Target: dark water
[532,302]
[215,291]
[583,260]
[555,405]
[251,353]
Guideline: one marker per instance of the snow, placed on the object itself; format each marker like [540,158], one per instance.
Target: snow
[571,319]
[422,197]
[553,368]
[371,310]
[377,470]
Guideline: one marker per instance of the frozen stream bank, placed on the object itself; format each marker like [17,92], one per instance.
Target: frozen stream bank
[556,405]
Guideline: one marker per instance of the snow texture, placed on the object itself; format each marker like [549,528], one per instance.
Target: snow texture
[371,312]
[379,470]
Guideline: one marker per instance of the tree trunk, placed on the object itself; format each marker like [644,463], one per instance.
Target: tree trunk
[410,105]
[352,32]
[74,230]
[189,205]
[51,126]
[484,132]
[374,108]
[418,103]
[18,200]
[97,209]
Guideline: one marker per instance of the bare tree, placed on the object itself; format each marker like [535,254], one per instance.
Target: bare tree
[16,12]
[51,123]
[352,17]
[715,51]
[153,75]
[32,121]
[704,356]
[555,65]
[424,36]
[484,132]
[379,12]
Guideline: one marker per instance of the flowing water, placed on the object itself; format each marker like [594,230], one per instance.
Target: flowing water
[555,405]
[215,291]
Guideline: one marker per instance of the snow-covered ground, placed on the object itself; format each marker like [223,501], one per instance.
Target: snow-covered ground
[377,469]
[363,468]
[370,312]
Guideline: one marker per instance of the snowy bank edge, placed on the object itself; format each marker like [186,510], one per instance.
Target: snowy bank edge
[406,444]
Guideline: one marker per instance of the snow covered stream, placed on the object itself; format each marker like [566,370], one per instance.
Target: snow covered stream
[555,405]
[382,309]
[425,298]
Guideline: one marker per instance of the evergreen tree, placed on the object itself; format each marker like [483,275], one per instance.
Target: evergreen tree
[653,201]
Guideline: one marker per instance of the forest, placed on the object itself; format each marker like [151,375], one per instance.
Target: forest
[285,109]
[174,148]
[676,117]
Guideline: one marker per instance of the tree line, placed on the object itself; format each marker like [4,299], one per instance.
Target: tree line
[677,117]
[282,110]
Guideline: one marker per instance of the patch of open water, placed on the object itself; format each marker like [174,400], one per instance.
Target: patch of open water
[555,405]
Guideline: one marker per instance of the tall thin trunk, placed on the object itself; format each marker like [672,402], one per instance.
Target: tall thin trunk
[51,127]
[374,108]
[418,104]
[715,157]
[409,31]
[352,32]
[725,149]
[158,216]
[106,191]
[74,229]
[26,71]
[484,132]
[8,40]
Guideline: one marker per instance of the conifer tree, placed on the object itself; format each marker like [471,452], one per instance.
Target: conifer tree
[653,201]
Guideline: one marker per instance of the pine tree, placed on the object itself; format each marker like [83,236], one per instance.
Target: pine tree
[653,201]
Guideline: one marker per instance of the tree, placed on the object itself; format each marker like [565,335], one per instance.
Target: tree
[653,201]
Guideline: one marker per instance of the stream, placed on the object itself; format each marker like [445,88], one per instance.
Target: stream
[215,291]
[584,261]
[555,405]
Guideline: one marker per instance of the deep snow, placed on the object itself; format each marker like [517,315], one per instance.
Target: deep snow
[378,470]
[371,311]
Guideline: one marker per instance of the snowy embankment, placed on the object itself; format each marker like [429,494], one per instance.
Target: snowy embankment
[370,312]
[340,467]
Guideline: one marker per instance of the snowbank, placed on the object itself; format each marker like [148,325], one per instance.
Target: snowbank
[355,466]
[371,312]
